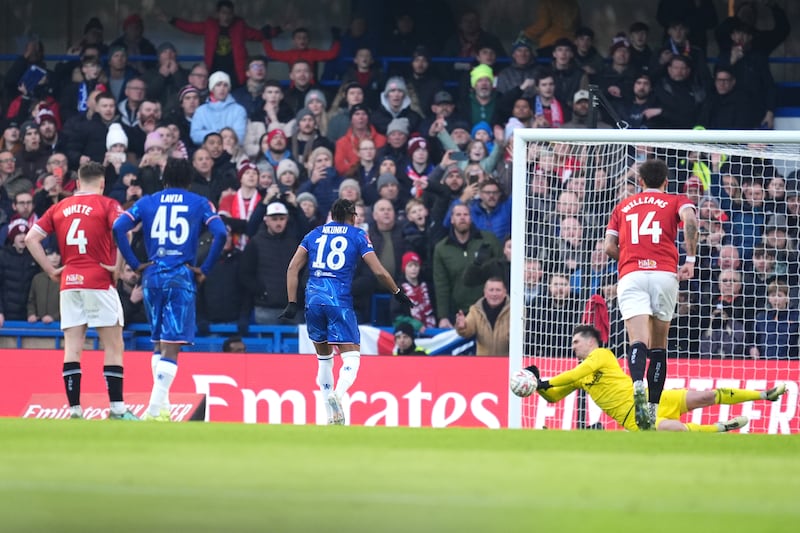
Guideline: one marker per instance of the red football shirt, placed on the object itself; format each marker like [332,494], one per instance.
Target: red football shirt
[82,224]
[646,225]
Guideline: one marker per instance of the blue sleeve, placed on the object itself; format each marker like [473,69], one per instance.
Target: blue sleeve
[220,233]
[199,130]
[239,122]
[125,223]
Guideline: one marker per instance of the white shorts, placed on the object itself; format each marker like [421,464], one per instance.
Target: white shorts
[653,293]
[96,308]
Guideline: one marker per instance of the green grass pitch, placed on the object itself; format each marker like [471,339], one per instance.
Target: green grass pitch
[71,476]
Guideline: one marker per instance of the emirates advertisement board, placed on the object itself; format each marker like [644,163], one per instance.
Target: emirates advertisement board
[421,391]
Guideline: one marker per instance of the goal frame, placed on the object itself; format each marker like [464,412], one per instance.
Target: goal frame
[524,136]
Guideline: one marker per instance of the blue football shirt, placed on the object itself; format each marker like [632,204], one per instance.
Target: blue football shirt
[334,250]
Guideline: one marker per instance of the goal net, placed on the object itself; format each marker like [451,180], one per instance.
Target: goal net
[736,322]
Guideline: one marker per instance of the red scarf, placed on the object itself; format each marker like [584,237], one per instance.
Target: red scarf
[242,212]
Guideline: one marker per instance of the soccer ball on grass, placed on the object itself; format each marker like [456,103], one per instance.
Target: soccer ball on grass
[523,383]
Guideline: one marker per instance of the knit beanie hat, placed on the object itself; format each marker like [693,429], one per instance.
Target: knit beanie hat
[218,77]
[481,71]
[316,94]
[287,165]
[116,135]
[386,179]
[307,197]
[154,139]
[398,124]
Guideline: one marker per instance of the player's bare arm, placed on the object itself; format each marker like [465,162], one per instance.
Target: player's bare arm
[374,264]
[297,263]
[612,246]
[33,241]
[690,235]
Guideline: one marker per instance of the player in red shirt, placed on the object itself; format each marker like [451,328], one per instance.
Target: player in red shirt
[641,237]
[82,225]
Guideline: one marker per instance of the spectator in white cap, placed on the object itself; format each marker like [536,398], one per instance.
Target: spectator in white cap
[116,147]
[221,110]
[396,103]
[581,103]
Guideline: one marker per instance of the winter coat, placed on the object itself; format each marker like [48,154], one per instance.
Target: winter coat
[489,340]
[213,116]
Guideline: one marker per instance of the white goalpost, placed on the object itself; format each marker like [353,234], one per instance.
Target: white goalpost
[736,323]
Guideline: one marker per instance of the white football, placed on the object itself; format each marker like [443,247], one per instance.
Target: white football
[523,383]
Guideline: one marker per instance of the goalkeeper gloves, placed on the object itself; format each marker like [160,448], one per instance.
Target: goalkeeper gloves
[401,297]
[290,312]
[543,384]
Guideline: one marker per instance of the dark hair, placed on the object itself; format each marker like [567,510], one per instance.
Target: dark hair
[653,172]
[301,29]
[587,330]
[91,172]
[225,3]
[342,210]
[177,173]
[104,94]
[542,74]
[724,68]
[211,134]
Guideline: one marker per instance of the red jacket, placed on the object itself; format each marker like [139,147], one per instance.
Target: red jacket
[312,55]
[239,33]
[346,157]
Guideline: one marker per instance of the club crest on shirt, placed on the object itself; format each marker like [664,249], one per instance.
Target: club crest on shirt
[647,264]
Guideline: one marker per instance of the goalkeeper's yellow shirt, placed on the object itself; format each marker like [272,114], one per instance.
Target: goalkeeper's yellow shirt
[601,376]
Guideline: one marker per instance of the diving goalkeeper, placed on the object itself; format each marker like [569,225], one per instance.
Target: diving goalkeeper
[600,375]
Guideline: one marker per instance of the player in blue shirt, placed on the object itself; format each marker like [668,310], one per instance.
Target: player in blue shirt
[172,221]
[334,250]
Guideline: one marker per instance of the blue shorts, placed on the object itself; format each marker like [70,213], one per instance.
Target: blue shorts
[170,306]
[336,325]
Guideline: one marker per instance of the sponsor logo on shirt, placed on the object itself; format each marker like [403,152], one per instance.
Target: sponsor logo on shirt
[647,264]
[74,279]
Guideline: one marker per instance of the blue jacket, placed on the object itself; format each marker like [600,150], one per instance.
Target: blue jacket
[497,221]
[777,333]
[213,116]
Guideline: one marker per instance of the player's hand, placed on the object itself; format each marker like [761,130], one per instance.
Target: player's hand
[55,275]
[198,274]
[543,384]
[686,271]
[403,298]
[143,266]
[533,369]
[290,312]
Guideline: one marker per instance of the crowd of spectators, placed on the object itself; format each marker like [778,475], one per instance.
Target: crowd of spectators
[425,151]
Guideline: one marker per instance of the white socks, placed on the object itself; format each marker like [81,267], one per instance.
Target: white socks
[164,374]
[156,357]
[349,371]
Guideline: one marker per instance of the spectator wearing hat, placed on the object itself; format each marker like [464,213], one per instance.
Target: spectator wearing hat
[236,209]
[224,26]
[368,75]
[581,103]
[264,263]
[116,153]
[249,95]
[677,43]
[641,53]
[587,57]
[347,147]
[307,136]
[182,115]
[404,340]
[422,80]
[389,188]
[349,94]
[522,66]
[167,80]
[118,71]
[301,51]
[698,16]
[135,43]
[481,100]
[396,147]
[48,124]
[754,78]
[44,295]
[32,159]
[616,79]
[316,102]
[274,148]
[309,216]
[395,104]
[419,167]
[221,110]
[17,269]
[323,180]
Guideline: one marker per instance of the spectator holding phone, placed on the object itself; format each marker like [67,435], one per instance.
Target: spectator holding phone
[323,180]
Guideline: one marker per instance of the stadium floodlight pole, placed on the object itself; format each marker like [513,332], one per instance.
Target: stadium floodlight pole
[780,147]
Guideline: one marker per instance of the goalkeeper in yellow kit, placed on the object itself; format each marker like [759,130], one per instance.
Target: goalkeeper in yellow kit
[600,375]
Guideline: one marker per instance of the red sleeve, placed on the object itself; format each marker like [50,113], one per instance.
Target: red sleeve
[225,205]
[331,53]
[13,107]
[113,211]
[198,28]
[287,56]
[252,34]
[45,223]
